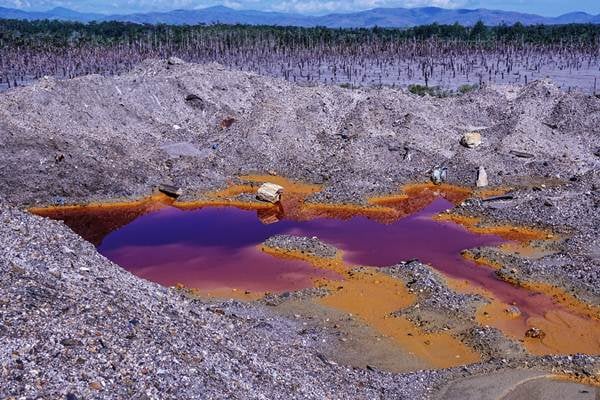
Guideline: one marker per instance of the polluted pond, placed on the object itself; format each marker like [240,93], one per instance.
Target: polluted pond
[231,245]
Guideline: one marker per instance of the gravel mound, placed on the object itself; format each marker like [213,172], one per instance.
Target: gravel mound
[113,137]
[309,245]
[432,292]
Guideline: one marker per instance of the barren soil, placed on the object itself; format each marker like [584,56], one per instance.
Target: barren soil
[72,323]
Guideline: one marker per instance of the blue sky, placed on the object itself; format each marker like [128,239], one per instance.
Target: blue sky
[542,7]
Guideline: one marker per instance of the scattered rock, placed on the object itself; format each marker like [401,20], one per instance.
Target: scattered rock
[535,333]
[195,101]
[471,140]
[227,122]
[175,61]
[309,245]
[550,125]
[70,342]
[482,178]
[513,311]
[269,192]
[439,174]
[521,154]
[170,190]
[395,147]
[498,198]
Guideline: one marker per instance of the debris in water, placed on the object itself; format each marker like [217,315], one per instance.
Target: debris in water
[535,333]
[513,311]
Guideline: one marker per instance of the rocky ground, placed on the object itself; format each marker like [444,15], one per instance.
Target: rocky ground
[73,325]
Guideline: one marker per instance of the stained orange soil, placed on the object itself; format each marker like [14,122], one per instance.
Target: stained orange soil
[491,192]
[593,380]
[421,194]
[528,251]
[508,232]
[97,220]
[287,184]
[412,198]
[372,297]
[467,255]
[345,211]
[226,293]
[569,330]
[566,299]
[560,296]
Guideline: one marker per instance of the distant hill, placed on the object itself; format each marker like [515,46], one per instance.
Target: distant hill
[383,17]
[59,13]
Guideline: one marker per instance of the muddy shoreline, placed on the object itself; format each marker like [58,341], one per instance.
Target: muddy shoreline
[96,139]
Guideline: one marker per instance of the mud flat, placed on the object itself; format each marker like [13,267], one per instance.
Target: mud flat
[76,324]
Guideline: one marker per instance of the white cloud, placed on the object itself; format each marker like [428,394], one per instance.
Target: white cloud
[326,6]
[299,6]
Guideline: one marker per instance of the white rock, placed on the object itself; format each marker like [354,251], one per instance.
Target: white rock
[175,61]
[438,175]
[269,192]
[471,139]
[482,178]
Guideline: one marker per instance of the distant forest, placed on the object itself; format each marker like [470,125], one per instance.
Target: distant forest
[439,55]
[62,33]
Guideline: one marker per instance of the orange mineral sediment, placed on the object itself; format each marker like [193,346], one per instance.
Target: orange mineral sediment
[102,217]
[569,326]
[505,231]
[373,297]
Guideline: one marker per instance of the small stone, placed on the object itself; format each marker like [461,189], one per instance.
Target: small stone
[67,250]
[439,174]
[269,192]
[70,342]
[535,333]
[513,311]
[170,190]
[482,178]
[471,140]
[175,61]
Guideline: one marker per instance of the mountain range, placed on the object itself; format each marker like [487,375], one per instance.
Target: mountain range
[382,17]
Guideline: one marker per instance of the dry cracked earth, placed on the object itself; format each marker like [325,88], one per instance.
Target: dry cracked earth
[73,325]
